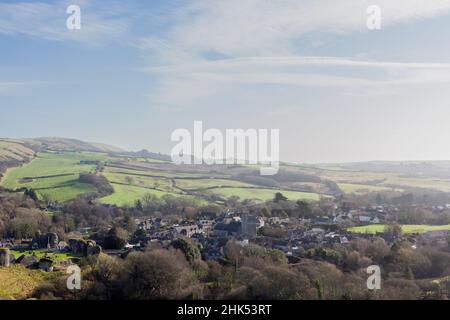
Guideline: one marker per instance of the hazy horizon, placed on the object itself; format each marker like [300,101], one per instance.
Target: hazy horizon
[287,162]
[136,71]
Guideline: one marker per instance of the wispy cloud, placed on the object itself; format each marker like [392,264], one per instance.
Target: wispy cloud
[18,87]
[48,21]
[235,28]
[209,48]
[197,81]
[196,27]
[216,47]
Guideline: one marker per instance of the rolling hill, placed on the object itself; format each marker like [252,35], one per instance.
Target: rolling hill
[52,167]
[11,151]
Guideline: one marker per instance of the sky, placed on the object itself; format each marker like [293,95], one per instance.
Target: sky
[138,70]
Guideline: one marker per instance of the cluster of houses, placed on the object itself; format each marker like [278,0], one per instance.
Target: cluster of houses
[298,233]
[213,232]
[366,215]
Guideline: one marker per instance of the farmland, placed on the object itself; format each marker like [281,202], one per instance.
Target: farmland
[416,228]
[363,188]
[131,180]
[263,194]
[349,177]
[57,174]
[127,195]
[54,174]
[196,184]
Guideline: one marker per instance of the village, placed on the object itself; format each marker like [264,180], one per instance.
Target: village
[211,232]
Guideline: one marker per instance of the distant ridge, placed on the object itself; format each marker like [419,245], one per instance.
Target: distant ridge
[14,152]
[63,144]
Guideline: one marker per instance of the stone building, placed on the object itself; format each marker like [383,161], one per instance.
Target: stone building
[250,225]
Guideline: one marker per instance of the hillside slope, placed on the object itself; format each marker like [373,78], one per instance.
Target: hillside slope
[16,152]
[65,144]
[12,151]
[13,154]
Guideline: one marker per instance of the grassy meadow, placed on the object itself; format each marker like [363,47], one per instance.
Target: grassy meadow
[54,174]
[367,181]
[42,253]
[198,184]
[363,188]
[263,194]
[127,195]
[411,228]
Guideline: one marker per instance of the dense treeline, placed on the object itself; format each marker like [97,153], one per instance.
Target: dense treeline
[418,196]
[20,216]
[102,184]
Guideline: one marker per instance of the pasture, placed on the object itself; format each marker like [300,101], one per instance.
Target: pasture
[260,194]
[363,188]
[372,181]
[139,181]
[54,174]
[126,195]
[198,184]
[42,253]
[411,228]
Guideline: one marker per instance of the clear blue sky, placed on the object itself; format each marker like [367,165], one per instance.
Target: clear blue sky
[138,70]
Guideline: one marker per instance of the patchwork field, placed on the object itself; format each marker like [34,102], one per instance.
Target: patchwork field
[349,180]
[54,174]
[363,188]
[263,194]
[132,181]
[198,184]
[161,184]
[429,183]
[412,228]
[151,172]
[125,195]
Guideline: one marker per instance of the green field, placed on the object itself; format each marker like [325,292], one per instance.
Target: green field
[67,193]
[39,254]
[363,188]
[127,195]
[54,174]
[139,181]
[263,194]
[352,179]
[193,184]
[429,183]
[151,172]
[410,228]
